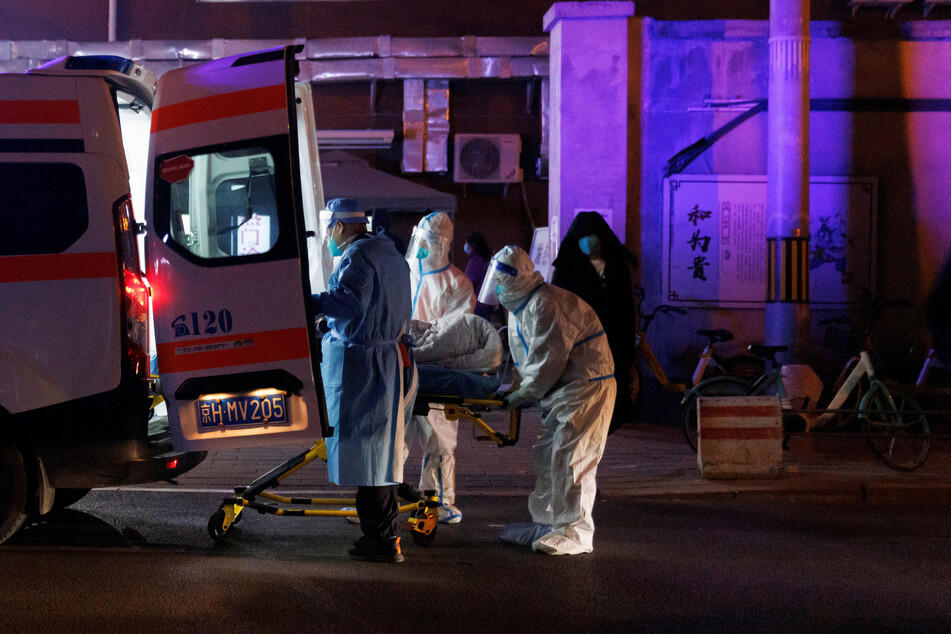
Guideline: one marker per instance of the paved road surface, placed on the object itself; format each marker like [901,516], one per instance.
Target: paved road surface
[141,561]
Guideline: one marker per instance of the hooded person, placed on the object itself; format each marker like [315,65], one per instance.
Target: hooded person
[594,265]
[563,364]
[439,290]
[477,250]
[369,382]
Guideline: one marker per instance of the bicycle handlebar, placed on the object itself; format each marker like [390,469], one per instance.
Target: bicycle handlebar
[666,309]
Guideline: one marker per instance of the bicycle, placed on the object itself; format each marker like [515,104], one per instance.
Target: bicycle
[893,423]
[744,366]
[644,350]
[844,337]
[933,388]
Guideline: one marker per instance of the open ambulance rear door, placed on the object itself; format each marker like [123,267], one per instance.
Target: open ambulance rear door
[238,353]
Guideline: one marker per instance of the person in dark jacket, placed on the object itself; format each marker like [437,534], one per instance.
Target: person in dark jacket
[593,264]
[477,249]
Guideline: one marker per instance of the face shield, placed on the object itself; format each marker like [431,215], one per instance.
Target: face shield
[495,277]
[423,243]
[326,221]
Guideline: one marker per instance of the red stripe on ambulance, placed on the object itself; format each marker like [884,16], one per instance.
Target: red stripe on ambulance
[232,104]
[45,111]
[232,350]
[57,266]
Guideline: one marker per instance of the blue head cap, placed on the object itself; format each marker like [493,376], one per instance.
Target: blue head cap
[346,210]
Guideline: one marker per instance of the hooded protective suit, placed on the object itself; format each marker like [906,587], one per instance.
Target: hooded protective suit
[439,290]
[564,363]
[367,389]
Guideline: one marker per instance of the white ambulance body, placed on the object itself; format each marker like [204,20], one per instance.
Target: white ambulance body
[233,253]
[74,302]
[232,194]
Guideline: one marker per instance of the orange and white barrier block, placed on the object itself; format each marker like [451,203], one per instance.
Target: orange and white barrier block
[740,437]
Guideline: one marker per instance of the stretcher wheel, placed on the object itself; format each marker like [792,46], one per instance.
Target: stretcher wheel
[424,522]
[216,526]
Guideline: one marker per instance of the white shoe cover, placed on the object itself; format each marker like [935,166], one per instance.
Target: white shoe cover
[353,519]
[555,543]
[449,514]
[523,533]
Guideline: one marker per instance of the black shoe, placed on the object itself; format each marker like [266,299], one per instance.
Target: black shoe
[382,550]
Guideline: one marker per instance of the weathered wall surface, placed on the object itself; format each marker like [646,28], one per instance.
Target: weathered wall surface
[881,108]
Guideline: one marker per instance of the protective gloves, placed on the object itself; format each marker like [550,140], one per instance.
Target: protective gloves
[518,398]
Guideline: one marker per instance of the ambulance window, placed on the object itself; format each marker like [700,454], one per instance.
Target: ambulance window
[45,208]
[227,204]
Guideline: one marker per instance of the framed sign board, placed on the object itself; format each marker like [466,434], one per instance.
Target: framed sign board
[714,240]
[541,252]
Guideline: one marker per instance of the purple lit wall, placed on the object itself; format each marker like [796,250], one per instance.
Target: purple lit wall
[881,108]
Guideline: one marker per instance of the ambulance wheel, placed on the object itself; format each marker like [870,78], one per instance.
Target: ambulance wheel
[13,489]
[216,526]
[420,538]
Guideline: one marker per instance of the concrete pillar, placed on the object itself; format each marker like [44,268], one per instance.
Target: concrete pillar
[589,109]
[787,170]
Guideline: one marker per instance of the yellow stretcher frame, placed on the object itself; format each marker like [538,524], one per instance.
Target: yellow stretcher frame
[423,507]
[458,408]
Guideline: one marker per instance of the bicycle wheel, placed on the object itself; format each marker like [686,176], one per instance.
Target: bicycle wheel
[716,386]
[895,428]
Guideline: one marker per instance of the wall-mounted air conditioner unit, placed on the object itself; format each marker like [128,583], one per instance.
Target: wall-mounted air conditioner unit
[487,158]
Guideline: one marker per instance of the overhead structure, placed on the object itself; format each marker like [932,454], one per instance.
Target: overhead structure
[347,176]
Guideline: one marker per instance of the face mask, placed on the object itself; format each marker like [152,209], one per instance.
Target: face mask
[466,248]
[333,248]
[422,253]
[498,289]
[589,244]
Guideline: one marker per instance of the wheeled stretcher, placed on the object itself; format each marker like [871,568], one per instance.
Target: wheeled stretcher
[422,506]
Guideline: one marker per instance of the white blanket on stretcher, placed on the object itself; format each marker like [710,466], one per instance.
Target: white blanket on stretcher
[459,342]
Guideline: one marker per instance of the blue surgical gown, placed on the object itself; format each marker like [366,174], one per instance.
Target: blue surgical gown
[368,306]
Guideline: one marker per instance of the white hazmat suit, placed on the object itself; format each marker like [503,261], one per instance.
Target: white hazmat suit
[564,364]
[439,290]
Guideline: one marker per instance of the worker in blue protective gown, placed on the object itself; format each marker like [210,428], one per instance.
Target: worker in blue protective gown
[440,291]
[369,379]
[563,364]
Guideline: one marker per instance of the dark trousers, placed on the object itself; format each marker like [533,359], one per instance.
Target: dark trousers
[378,510]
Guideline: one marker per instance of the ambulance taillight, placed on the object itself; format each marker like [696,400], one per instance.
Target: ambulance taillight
[135,290]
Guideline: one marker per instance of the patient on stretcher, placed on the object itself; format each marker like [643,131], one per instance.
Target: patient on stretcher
[458,355]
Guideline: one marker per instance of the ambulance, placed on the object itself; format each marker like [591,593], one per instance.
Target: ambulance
[234,253]
[226,167]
